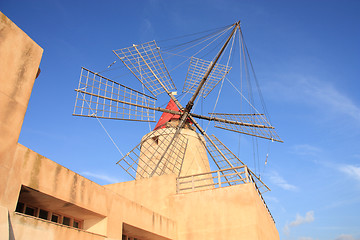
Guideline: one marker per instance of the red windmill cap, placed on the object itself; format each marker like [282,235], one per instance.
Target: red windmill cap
[166,117]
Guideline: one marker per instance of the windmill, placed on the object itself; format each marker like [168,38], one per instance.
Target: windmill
[164,150]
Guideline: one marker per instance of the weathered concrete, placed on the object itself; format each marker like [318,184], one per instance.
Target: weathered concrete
[102,210]
[153,193]
[19,61]
[4,223]
[234,212]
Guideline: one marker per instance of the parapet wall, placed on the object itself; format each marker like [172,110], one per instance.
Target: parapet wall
[234,212]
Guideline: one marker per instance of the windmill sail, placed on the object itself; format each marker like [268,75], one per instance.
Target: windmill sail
[232,169]
[147,65]
[101,97]
[196,72]
[225,160]
[143,160]
[252,124]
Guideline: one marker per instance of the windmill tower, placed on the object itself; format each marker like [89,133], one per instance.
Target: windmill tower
[187,155]
[178,145]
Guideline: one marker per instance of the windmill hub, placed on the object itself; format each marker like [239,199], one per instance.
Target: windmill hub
[168,120]
[174,122]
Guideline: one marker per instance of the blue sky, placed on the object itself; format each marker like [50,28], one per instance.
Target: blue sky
[307,59]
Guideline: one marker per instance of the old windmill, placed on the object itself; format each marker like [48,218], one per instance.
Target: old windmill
[165,149]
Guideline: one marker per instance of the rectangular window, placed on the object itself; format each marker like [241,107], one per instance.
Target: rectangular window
[66,221]
[76,224]
[55,218]
[30,211]
[43,214]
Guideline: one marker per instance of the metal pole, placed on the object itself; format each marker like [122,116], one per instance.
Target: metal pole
[190,104]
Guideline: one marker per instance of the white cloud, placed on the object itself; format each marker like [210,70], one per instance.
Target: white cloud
[351,171]
[276,179]
[102,177]
[345,237]
[305,149]
[147,31]
[317,93]
[299,220]
[309,217]
[325,93]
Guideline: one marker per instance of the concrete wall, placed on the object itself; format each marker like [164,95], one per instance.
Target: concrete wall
[26,227]
[153,193]
[19,61]
[234,212]
[110,209]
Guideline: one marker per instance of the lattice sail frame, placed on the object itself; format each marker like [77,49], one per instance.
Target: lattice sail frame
[100,97]
[263,129]
[230,165]
[196,72]
[143,160]
[223,158]
[147,65]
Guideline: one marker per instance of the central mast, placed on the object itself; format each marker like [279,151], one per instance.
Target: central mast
[190,104]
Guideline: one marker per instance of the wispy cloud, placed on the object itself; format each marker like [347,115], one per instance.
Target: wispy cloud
[305,149]
[309,217]
[352,171]
[276,179]
[147,32]
[345,237]
[330,96]
[317,93]
[342,203]
[299,220]
[102,177]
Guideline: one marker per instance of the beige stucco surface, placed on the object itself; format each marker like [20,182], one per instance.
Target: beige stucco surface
[153,193]
[26,227]
[109,210]
[235,212]
[19,60]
